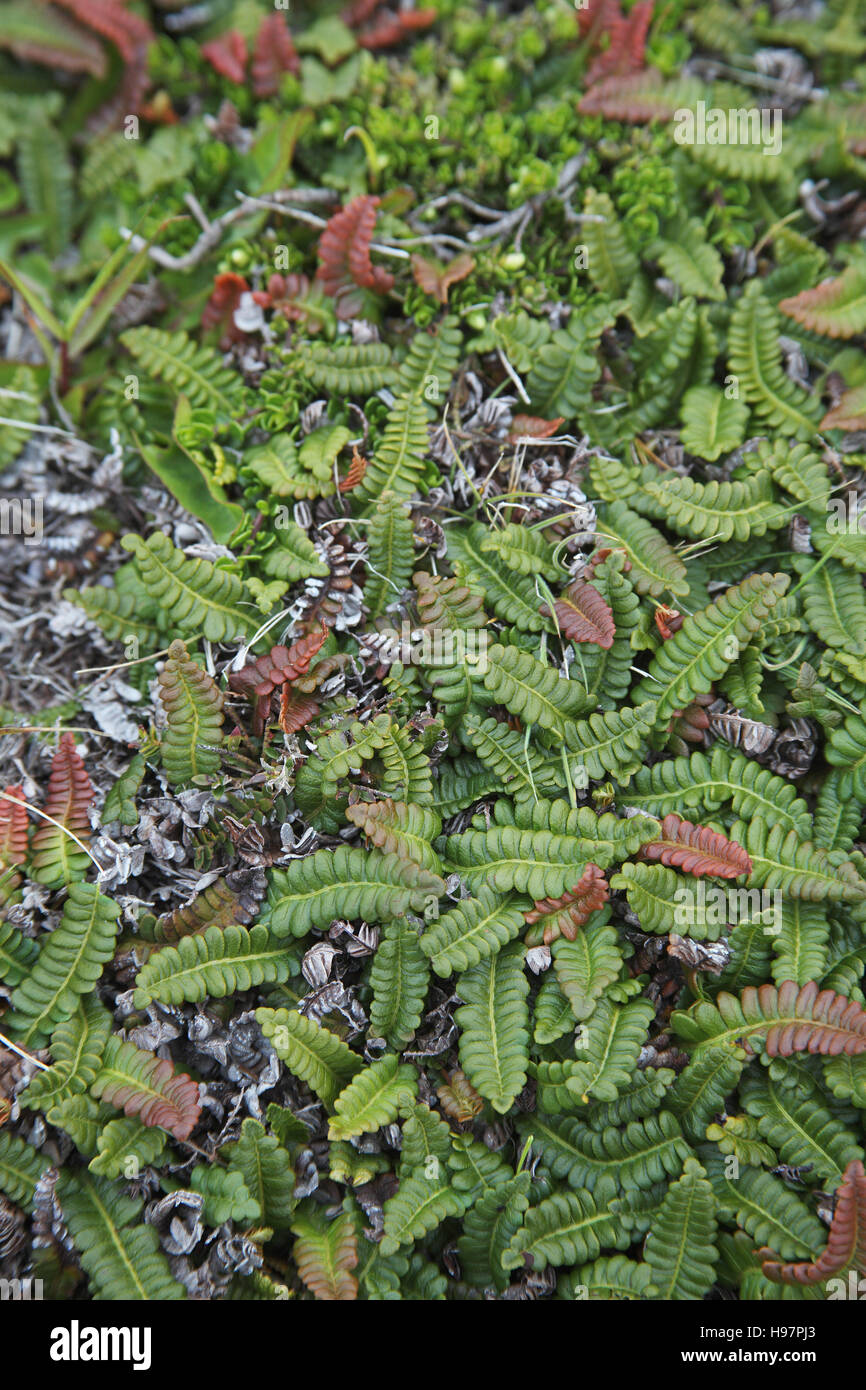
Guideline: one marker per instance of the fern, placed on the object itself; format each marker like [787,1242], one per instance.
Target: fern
[611,263]
[342,369]
[142,1084]
[754,359]
[419,1206]
[799,1127]
[688,663]
[836,308]
[656,569]
[770,1212]
[77,1046]
[69,964]
[722,511]
[399,978]
[566,1229]
[567,367]
[194,710]
[325,1255]
[644,1153]
[690,260]
[474,929]
[391,555]
[494,1021]
[586,966]
[780,1021]
[56,857]
[312,1053]
[713,423]
[373,1098]
[488,1229]
[680,1249]
[118,1252]
[124,1147]
[46,180]
[846,750]
[17,955]
[346,883]
[198,597]
[217,962]
[532,690]
[21,1167]
[800,870]
[192,371]
[846,1244]
[266,1169]
[513,600]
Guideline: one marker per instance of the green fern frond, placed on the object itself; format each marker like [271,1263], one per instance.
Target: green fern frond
[196,596]
[311,1052]
[69,964]
[119,1253]
[193,371]
[216,962]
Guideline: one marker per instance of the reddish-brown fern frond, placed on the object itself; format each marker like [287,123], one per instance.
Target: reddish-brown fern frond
[391,27]
[533,427]
[436,280]
[131,36]
[583,615]
[13,828]
[273,54]
[68,801]
[625,54]
[598,557]
[669,621]
[458,1097]
[227,55]
[696,849]
[278,667]
[344,254]
[635,100]
[554,917]
[127,31]
[357,469]
[596,17]
[325,1255]
[140,1083]
[846,1244]
[219,311]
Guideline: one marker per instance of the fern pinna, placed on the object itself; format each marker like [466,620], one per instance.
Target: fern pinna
[444,878]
